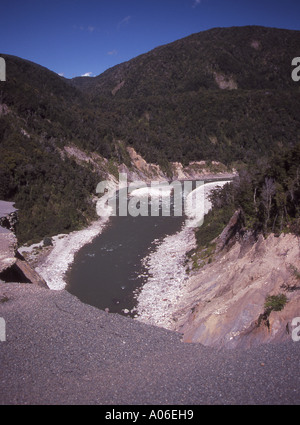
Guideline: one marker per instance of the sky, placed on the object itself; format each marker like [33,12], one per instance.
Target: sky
[86,37]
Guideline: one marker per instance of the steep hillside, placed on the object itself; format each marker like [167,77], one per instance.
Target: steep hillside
[39,114]
[249,295]
[252,57]
[244,272]
[224,94]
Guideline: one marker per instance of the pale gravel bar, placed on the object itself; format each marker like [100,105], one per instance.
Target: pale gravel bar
[165,287]
[54,267]
[59,351]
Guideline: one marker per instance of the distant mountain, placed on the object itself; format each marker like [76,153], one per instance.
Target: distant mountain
[250,57]
[225,94]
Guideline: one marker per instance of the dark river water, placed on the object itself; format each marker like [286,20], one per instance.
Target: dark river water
[106,272]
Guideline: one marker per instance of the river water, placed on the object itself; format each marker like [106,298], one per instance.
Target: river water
[108,272]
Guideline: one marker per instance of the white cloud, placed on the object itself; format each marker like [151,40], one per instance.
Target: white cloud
[87,74]
[113,52]
[196,3]
[61,74]
[124,21]
[90,28]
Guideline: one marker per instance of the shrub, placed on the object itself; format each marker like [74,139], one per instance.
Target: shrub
[272,303]
[275,302]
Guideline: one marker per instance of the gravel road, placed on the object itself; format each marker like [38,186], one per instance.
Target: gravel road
[61,351]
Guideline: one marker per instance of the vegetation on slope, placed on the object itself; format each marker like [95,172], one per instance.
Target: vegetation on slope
[223,94]
[40,114]
[267,193]
[169,105]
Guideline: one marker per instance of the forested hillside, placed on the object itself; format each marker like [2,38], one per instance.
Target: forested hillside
[40,113]
[225,94]
[267,196]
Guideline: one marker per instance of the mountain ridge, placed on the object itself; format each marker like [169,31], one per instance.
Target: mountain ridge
[195,38]
[233,82]
[195,99]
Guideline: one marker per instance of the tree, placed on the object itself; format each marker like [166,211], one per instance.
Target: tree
[268,191]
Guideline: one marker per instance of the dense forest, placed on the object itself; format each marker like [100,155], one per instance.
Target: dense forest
[225,94]
[40,113]
[267,194]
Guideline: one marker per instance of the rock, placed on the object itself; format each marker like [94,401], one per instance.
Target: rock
[8,241]
[47,241]
[147,172]
[231,292]
[228,236]
[13,267]
[8,215]
[8,246]
[30,273]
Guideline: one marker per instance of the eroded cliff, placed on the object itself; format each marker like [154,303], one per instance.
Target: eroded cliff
[224,304]
[13,267]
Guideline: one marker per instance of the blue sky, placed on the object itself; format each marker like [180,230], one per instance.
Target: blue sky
[77,37]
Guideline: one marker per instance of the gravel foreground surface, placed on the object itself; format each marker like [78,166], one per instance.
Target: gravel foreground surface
[61,351]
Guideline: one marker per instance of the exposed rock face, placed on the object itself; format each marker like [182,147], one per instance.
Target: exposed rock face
[223,302]
[8,245]
[13,267]
[224,82]
[228,237]
[28,273]
[8,215]
[8,241]
[141,170]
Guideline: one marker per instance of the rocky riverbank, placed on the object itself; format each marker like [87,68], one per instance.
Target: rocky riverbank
[167,281]
[224,304]
[53,262]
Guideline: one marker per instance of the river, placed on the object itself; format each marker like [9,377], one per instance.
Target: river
[109,272]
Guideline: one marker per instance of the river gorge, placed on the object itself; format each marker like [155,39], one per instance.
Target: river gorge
[133,253]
